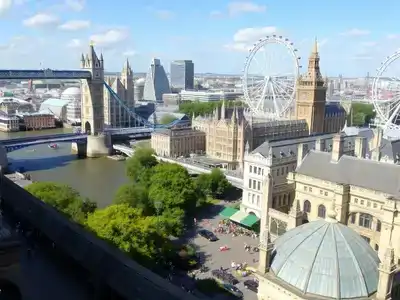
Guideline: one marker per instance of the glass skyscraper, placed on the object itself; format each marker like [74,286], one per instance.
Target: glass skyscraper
[156,83]
[182,74]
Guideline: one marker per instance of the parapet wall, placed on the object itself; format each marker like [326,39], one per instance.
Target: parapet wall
[107,263]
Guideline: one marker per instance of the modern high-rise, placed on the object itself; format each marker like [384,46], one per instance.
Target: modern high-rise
[156,83]
[182,74]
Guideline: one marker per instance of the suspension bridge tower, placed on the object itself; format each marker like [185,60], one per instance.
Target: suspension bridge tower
[92,91]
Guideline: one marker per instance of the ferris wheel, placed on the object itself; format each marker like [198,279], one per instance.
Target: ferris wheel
[386,96]
[269,77]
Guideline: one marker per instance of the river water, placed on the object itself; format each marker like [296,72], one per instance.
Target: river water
[98,179]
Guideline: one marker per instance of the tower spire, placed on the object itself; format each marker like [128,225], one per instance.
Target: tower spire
[315,48]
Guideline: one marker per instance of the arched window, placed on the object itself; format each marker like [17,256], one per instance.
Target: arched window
[321,211]
[378,225]
[307,206]
[365,220]
[274,202]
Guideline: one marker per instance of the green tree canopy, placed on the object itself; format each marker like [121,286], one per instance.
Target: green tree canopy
[139,166]
[136,196]
[172,187]
[214,184]
[167,118]
[127,229]
[362,113]
[62,197]
[202,108]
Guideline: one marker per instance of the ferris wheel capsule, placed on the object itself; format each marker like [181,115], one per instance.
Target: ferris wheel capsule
[269,77]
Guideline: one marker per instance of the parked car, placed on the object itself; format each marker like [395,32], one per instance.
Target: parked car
[207,234]
[251,285]
[233,290]
[224,277]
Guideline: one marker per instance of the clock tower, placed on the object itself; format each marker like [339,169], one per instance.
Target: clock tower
[311,95]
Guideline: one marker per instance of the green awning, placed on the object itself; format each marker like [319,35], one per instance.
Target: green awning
[238,216]
[250,220]
[228,212]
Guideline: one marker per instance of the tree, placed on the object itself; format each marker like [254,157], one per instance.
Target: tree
[139,166]
[362,113]
[136,196]
[172,187]
[126,228]
[88,206]
[167,119]
[203,108]
[62,197]
[214,184]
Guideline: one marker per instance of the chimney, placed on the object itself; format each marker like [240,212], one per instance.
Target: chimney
[302,150]
[376,145]
[337,147]
[360,147]
[320,145]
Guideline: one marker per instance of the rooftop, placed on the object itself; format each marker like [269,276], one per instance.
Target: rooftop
[326,259]
[365,173]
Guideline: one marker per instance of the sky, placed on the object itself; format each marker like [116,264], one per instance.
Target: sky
[354,36]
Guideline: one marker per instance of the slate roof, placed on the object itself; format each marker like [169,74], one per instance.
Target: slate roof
[365,173]
[327,259]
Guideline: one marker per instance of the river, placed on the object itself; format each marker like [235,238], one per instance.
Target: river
[98,179]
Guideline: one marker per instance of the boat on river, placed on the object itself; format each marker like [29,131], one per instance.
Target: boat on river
[53,146]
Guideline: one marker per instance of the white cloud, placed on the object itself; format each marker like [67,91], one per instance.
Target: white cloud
[355,32]
[164,14]
[5,6]
[112,36]
[75,25]
[40,20]
[74,43]
[129,53]
[238,7]
[76,5]
[393,36]
[250,35]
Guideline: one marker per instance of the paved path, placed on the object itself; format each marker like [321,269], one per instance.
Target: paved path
[214,259]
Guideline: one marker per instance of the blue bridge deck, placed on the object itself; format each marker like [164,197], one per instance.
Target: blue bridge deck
[45,74]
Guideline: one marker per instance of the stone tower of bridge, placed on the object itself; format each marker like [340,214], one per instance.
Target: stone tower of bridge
[92,97]
[92,93]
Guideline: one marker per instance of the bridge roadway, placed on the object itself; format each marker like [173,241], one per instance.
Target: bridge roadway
[236,181]
[111,267]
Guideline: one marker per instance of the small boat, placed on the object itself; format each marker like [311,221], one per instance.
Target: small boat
[53,146]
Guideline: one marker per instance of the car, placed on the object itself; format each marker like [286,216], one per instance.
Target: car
[233,290]
[207,234]
[251,285]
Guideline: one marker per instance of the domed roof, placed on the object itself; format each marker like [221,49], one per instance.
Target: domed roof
[327,259]
[72,91]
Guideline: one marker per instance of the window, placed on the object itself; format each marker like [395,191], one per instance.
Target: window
[248,197]
[352,218]
[326,193]
[259,171]
[249,183]
[258,185]
[378,225]
[258,200]
[273,202]
[362,202]
[310,189]
[376,247]
[277,172]
[250,169]
[305,189]
[355,200]
[307,206]
[321,192]
[321,211]
[254,184]
[252,198]
[365,221]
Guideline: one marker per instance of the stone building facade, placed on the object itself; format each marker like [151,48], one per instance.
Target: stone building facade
[178,141]
[230,130]
[279,158]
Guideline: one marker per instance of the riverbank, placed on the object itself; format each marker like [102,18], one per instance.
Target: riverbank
[22,180]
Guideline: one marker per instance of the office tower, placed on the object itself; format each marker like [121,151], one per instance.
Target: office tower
[182,74]
[156,83]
